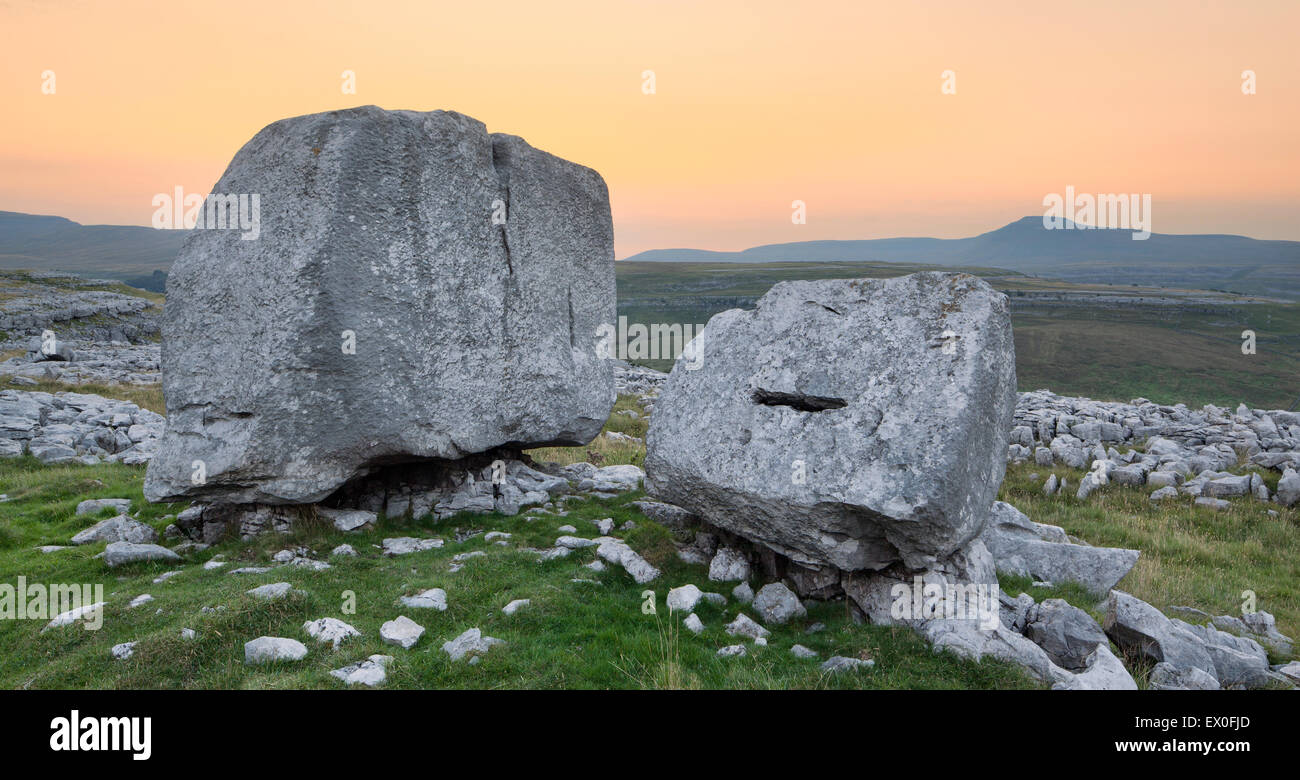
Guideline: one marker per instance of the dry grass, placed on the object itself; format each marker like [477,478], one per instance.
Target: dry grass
[1191,556]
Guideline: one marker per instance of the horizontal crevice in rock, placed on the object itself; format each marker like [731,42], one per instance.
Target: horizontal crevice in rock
[801,401]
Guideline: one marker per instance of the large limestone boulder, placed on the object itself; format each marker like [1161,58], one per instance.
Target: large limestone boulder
[854,423]
[383,228]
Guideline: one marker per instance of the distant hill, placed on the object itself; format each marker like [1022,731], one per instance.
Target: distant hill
[1216,262]
[131,254]
[1213,262]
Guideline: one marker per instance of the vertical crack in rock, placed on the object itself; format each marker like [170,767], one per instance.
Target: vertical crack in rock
[573,335]
[501,165]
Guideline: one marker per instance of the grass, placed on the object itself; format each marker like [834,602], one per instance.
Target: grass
[574,634]
[1192,556]
[605,451]
[1186,352]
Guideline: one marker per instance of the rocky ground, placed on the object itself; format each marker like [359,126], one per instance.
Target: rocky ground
[73,330]
[63,427]
[583,591]
[590,528]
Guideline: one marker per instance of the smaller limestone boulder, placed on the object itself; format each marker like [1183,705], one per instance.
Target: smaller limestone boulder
[117,529]
[1067,633]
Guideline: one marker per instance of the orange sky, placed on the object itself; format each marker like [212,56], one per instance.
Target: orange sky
[757,104]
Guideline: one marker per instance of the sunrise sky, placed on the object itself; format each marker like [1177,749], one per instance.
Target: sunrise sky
[756,104]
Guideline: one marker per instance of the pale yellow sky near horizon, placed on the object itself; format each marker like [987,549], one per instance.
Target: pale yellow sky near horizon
[756,104]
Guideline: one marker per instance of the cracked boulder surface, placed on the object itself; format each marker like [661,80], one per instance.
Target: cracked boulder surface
[851,423]
[418,288]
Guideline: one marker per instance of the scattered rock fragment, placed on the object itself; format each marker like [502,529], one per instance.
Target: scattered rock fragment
[472,643]
[269,649]
[371,672]
[328,629]
[401,631]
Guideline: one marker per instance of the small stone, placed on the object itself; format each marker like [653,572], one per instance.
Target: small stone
[567,529]
[728,564]
[349,520]
[471,643]
[93,506]
[405,545]
[119,553]
[117,529]
[743,625]
[1164,493]
[575,542]
[330,630]
[276,590]
[268,649]
[838,663]
[89,611]
[693,624]
[515,606]
[617,551]
[346,551]
[683,599]
[775,603]
[402,632]
[731,651]
[123,651]
[370,672]
[799,651]
[743,593]
[434,598]
[143,598]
